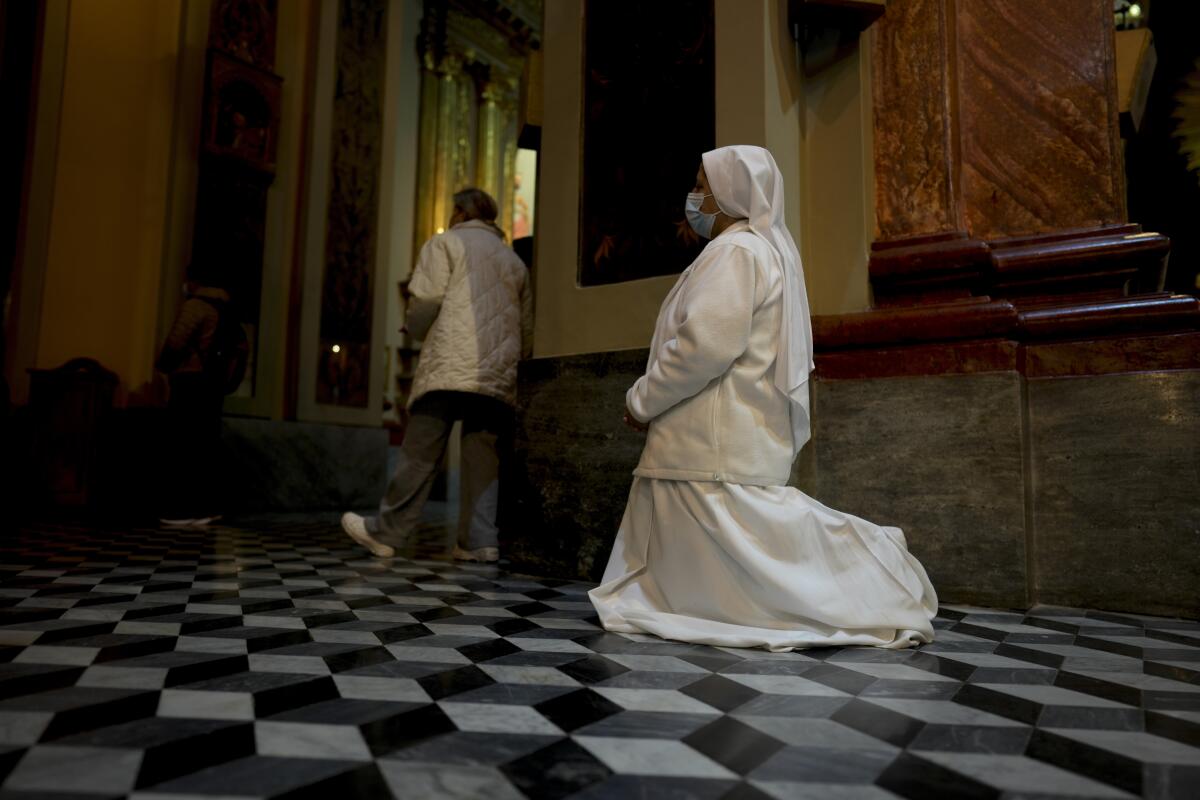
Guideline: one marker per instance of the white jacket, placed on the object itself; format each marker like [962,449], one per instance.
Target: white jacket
[709,395]
[472,305]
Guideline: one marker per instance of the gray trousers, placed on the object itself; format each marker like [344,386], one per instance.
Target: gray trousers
[484,421]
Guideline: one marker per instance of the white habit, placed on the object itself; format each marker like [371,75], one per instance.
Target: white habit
[714,547]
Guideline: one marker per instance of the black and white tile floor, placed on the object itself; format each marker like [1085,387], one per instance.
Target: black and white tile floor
[273,660]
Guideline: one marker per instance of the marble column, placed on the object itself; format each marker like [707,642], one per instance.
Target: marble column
[444,147]
[916,138]
[1038,117]
[425,223]
[487,164]
[995,118]
[508,131]
[998,158]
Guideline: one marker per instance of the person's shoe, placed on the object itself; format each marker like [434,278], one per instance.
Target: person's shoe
[355,526]
[189,522]
[486,555]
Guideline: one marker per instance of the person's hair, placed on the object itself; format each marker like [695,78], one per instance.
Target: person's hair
[476,204]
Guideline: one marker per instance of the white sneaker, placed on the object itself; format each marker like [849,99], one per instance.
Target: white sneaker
[355,526]
[189,523]
[487,555]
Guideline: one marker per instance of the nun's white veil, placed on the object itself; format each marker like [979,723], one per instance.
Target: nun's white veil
[747,184]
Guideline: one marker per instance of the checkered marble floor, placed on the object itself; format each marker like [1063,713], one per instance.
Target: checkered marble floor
[274,660]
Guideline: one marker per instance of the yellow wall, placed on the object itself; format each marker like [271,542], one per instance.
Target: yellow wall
[837,183]
[108,215]
[815,118]
[759,90]
[124,189]
[817,125]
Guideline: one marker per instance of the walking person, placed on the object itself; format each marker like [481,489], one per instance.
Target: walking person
[470,301]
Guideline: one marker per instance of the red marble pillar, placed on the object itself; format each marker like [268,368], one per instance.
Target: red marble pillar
[999,184]
[1037,117]
[995,118]
[916,136]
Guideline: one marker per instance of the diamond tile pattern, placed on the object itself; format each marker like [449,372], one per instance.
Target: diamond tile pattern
[273,660]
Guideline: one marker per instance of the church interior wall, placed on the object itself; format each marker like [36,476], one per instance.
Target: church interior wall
[107,226]
[122,183]
[1013,459]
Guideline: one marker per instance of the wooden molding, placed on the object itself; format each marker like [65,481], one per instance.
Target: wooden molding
[1105,261]
[978,319]
[1069,337]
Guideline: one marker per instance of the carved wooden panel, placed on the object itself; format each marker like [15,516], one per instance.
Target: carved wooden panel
[245,29]
[240,129]
[241,115]
[347,288]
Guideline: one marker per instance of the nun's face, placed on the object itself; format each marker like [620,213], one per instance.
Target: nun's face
[709,206]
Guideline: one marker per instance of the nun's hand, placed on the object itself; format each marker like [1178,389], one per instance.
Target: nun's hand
[631,421]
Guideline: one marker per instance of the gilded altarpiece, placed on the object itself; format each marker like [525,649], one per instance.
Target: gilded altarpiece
[473,55]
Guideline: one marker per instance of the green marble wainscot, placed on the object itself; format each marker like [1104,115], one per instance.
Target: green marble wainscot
[299,466]
[572,463]
[1116,491]
[939,457]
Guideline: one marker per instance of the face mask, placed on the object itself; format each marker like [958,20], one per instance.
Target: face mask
[701,222]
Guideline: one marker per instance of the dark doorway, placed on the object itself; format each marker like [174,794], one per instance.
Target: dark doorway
[1164,195]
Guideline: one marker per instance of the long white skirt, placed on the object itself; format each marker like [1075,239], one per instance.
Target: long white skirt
[759,566]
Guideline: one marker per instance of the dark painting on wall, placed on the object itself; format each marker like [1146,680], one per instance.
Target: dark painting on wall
[648,115]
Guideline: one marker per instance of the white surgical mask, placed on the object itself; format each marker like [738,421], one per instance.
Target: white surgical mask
[701,222]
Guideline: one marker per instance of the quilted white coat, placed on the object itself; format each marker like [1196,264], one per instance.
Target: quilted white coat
[715,413]
[473,307]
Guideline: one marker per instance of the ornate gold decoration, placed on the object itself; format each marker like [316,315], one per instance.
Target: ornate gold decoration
[473,55]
